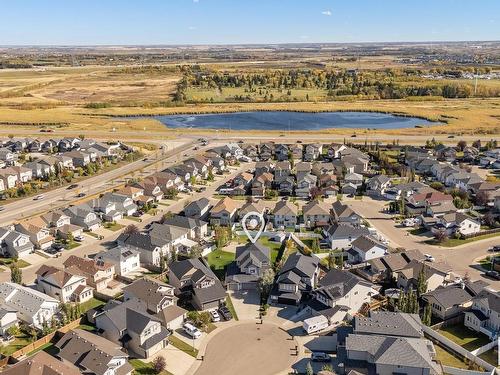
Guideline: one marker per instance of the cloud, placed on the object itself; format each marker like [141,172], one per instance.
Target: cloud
[192,28]
[326,12]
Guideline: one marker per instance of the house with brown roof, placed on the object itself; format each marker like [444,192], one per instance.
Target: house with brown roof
[93,354]
[41,363]
[60,225]
[285,214]
[436,274]
[62,285]
[38,232]
[154,295]
[224,212]
[261,183]
[316,214]
[97,272]
[133,192]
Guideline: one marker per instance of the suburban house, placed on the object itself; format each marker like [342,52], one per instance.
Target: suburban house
[79,158]
[107,209]
[364,249]
[388,343]
[59,224]
[436,274]
[377,185]
[125,259]
[339,295]
[36,229]
[316,214]
[457,222]
[175,238]
[62,285]
[341,236]
[123,203]
[8,318]
[484,315]
[342,213]
[130,325]
[83,216]
[197,229]
[296,279]
[14,244]
[32,306]
[196,283]
[385,269]
[305,186]
[261,183]
[9,178]
[154,295]
[285,214]
[198,209]
[150,248]
[224,212]
[93,354]
[41,363]
[448,302]
[251,262]
[98,273]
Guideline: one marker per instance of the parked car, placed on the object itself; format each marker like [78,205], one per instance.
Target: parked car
[79,238]
[57,246]
[214,315]
[226,314]
[80,195]
[493,274]
[38,197]
[320,357]
[494,249]
[137,214]
[2,208]
[429,258]
[72,186]
[191,330]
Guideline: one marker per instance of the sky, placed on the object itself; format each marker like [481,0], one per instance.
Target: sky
[139,22]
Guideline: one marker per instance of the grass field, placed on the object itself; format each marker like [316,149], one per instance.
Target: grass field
[452,242]
[143,368]
[79,99]
[183,346]
[219,259]
[464,337]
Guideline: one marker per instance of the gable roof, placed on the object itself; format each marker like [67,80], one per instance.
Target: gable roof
[60,276]
[285,208]
[389,323]
[366,243]
[225,204]
[315,208]
[41,363]
[449,296]
[255,251]
[149,290]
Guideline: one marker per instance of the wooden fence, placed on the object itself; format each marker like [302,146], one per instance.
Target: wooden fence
[46,339]
[482,233]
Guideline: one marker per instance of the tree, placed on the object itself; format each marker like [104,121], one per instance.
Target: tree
[266,283]
[482,198]
[309,369]
[489,219]
[16,275]
[210,176]
[441,235]
[331,260]
[427,315]
[462,145]
[315,245]
[421,282]
[159,364]
[131,229]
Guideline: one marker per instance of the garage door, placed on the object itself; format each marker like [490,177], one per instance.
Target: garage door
[248,286]
[233,286]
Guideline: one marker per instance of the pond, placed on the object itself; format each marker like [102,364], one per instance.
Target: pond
[284,120]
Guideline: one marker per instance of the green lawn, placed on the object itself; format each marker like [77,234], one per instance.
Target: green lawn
[8,261]
[113,226]
[72,245]
[48,347]
[143,368]
[19,342]
[183,346]
[230,306]
[452,242]
[274,246]
[91,304]
[490,356]
[87,327]
[219,259]
[464,337]
[133,218]
[448,359]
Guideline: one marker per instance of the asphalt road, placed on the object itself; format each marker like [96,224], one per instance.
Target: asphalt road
[61,197]
[93,246]
[463,259]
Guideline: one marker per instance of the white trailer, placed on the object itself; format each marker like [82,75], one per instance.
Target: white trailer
[315,324]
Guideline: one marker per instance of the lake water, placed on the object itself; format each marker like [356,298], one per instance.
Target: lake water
[278,120]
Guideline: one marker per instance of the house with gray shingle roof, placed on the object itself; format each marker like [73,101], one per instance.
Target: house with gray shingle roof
[365,248]
[448,302]
[341,236]
[296,279]
[32,306]
[198,209]
[316,214]
[152,294]
[196,283]
[484,315]
[285,214]
[129,324]
[93,354]
[342,213]
[15,244]
[83,216]
[338,295]
[251,262]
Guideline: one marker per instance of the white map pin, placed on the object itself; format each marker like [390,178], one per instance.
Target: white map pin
[254,222]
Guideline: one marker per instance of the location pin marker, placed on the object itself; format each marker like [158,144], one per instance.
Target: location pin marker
[257,220]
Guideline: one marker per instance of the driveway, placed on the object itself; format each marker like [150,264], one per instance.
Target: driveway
[246,304]
[461,258]
[178,362]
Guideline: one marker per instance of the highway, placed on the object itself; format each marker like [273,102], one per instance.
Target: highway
[62,197]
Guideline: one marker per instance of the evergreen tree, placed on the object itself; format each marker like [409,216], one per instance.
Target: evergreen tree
[427,315]
[16,275]
[309,369]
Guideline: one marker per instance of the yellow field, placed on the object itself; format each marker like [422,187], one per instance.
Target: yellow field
[58,98]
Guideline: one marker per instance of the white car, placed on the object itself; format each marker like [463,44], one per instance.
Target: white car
[79,238]
[191,330]
[429,258]
[215,316]
[38,197]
